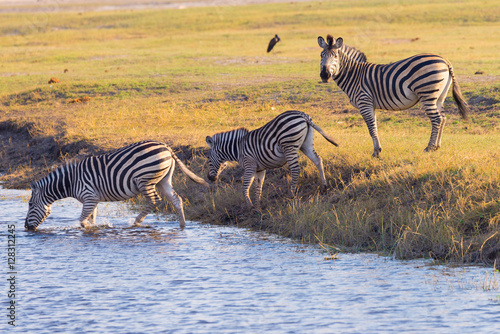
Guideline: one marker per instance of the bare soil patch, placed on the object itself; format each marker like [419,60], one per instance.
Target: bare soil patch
[27,155]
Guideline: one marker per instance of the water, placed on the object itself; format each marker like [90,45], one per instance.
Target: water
[206,279]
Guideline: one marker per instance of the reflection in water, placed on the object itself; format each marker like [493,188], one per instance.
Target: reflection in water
[116,278]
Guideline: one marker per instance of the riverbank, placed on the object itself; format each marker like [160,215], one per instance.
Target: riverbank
[441,206]
[130,80]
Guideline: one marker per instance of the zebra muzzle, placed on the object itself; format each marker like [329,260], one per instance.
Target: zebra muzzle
[325,75]
[29,227]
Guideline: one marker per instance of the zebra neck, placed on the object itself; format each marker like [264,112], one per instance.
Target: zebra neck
[348,69]
[58,184]
[234,141]
[233,152]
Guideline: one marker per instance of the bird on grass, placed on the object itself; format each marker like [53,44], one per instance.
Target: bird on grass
[273,42]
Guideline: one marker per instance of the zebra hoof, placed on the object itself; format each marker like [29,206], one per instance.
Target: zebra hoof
[431,148]
[376,152]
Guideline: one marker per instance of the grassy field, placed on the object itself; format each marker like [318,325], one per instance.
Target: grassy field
[180,75]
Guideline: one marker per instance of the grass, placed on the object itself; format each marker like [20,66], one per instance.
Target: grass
[180,75]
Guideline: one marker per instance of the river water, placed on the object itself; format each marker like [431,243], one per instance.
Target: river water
[211,279]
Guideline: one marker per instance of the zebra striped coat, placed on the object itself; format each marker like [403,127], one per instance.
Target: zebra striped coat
[138,168]
[268,147]
[396,86]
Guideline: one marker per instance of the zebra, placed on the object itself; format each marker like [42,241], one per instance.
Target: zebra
[396,86]
[268,147]
[115,176]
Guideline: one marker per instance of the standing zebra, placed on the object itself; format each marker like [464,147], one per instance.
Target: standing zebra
[268,147]
[397,86]
[119,175]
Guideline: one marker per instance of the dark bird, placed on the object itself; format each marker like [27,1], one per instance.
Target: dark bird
[273,42]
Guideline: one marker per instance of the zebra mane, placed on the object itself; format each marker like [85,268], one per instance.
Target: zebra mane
[353,53]
[240,132]
[55,173]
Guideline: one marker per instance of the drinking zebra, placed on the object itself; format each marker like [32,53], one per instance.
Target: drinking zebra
[268,147]
[119,175]
[397,86]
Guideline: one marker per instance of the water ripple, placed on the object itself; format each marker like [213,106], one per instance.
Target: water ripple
[117,278]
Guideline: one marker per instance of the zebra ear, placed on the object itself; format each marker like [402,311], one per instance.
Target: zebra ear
[321,42]
[338,43]
[209,141]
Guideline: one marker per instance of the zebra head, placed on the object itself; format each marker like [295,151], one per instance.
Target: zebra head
[38,209]
[216,162]
[330,64]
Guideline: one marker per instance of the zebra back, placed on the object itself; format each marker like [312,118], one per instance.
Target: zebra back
[265,145]
[111,176]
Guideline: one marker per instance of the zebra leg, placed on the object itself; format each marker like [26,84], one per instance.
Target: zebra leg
[293,164]
[89,213]
[259,180]
[440,108]
[149,191]
[166,188]
[440,132]
[308,149]
[92,217]
[437,122]
[370,119]
[248,177]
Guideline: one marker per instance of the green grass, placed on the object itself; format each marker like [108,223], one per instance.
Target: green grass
[180,75]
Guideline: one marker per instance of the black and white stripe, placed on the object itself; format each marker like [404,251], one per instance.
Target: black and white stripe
[119,175]
[268,147]
[396,86]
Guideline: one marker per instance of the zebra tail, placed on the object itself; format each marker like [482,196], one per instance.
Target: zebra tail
[463,107]
[327,137]
[188,172]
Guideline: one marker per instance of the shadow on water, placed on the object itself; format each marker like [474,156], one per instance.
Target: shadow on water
[130,234]
[117,278]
